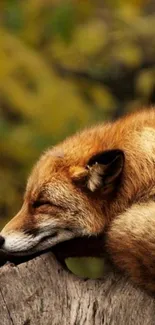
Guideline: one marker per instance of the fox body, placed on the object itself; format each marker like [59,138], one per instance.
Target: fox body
[101,180]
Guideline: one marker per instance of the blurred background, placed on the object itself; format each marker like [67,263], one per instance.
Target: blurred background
[65,65]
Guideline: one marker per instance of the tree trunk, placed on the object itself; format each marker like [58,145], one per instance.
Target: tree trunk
[41,292]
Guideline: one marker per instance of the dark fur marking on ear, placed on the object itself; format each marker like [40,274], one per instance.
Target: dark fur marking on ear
[105,169]
[106,157]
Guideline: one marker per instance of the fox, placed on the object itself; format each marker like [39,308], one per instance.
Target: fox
[99,181]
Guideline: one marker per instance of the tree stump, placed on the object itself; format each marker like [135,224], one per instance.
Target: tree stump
[42,292]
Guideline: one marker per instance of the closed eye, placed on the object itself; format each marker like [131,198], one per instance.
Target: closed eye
[38,204]
[41,203]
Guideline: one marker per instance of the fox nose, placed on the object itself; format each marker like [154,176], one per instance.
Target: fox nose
[2,240]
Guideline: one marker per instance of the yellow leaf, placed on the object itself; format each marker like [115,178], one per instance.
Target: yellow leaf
[145,82]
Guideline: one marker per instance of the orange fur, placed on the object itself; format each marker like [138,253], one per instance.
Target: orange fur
[79,197]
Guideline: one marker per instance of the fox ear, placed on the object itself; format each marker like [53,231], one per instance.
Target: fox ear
[104,169]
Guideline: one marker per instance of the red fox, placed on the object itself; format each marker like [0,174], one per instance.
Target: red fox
[101,180]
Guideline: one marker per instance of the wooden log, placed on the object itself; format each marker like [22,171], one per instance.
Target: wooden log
[41,292]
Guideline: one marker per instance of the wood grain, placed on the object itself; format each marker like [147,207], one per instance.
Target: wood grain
[41,292]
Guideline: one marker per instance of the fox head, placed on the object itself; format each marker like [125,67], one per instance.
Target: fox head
[61,201]
[78,186]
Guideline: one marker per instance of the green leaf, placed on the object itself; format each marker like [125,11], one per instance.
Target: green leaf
[62,22]
[13,15]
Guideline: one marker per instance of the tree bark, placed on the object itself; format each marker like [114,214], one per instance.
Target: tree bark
[41,292]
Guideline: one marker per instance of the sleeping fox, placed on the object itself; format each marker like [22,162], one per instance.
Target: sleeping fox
[99,181]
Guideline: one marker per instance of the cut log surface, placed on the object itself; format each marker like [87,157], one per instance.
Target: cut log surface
[41,292]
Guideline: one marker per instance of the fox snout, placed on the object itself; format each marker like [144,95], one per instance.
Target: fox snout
[23,236]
